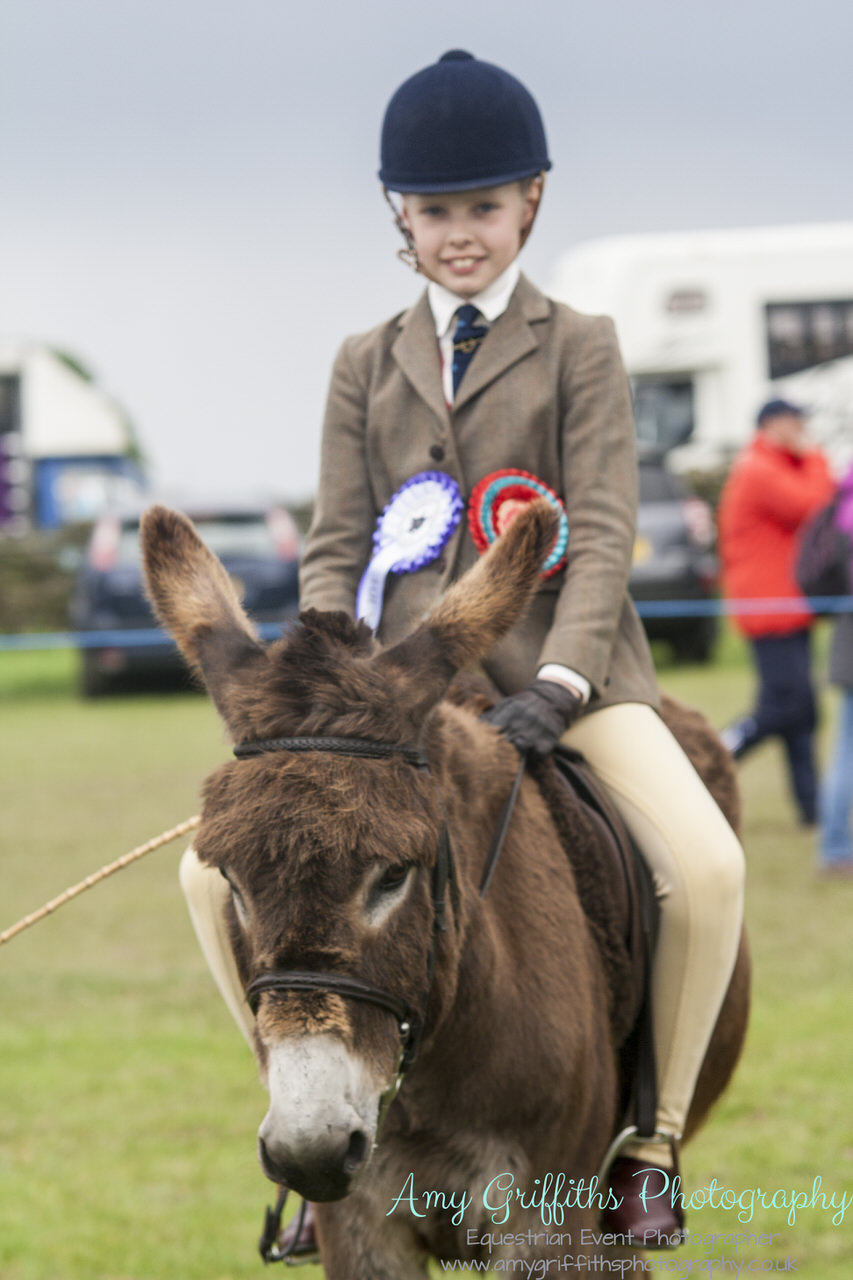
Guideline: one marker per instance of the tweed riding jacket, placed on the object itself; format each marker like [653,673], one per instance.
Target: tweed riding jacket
[546,393]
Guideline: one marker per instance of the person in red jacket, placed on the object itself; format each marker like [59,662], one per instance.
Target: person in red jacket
[775,485]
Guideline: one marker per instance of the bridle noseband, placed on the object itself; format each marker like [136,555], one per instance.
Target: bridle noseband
[338,984]
[410,1023]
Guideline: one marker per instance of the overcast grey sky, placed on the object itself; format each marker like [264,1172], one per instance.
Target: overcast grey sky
[188,196]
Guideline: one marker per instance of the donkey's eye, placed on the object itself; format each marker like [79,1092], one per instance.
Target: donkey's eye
[386,890]
[393,878]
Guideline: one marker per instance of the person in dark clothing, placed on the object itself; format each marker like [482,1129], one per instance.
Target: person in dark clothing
[785,709]
[775,485]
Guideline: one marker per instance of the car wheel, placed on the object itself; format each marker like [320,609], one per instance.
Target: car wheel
[93,682]
[696,644]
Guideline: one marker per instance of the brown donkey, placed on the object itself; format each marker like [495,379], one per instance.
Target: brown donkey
[362,939]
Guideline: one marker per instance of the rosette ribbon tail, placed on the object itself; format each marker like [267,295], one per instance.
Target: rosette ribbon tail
[371,589]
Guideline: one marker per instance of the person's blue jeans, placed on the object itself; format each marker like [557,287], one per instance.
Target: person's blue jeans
[836,798]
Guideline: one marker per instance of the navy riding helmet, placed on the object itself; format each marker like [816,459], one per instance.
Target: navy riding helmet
[459,124]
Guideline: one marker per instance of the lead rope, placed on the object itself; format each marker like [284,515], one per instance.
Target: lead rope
[97,876]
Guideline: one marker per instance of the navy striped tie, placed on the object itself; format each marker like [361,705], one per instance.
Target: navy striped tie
[466,339]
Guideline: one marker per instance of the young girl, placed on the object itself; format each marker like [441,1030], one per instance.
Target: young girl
[517,382]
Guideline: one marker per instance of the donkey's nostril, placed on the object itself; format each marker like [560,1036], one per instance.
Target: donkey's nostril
[317,1171]
[356,1152]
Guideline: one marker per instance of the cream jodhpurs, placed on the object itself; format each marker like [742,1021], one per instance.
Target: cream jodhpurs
[206,892]
[698,869]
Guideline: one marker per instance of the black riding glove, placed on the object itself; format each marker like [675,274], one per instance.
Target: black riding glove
[536,719]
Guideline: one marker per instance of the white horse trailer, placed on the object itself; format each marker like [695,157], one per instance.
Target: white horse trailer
[66,447]
[712,324]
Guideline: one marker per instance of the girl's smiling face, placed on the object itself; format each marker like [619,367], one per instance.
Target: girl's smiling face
[466,239]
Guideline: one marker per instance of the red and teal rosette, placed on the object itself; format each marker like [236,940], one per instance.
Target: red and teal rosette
[498,499]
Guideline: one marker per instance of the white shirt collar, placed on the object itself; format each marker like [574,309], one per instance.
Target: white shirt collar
[491,302]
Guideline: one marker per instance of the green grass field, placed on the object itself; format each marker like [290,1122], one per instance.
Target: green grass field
[129,1103]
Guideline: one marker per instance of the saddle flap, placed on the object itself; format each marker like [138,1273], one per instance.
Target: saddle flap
[613,882]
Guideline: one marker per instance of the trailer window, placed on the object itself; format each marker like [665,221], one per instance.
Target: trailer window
[10,403]
[801,335]
[663,410]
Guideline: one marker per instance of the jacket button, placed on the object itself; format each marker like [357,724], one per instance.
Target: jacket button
[436,453]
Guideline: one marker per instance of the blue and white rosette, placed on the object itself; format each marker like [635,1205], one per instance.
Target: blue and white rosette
[412,531]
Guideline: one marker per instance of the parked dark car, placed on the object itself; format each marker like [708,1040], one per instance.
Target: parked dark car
[674,560]
[259,546]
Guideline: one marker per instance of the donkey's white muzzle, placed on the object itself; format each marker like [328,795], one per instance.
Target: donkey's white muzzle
[321,1125]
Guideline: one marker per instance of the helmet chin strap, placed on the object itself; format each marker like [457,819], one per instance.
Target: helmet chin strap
[409,255]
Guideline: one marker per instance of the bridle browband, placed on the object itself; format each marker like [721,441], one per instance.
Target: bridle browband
[409,1021]
[364,747]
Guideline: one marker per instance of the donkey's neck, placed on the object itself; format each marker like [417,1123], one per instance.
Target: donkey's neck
[525,975]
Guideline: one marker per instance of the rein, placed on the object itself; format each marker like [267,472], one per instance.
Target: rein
[502,828]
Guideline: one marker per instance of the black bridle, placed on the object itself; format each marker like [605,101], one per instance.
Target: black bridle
[410,1022]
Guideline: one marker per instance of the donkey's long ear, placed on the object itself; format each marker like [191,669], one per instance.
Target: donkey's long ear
[475,612]
[194,598]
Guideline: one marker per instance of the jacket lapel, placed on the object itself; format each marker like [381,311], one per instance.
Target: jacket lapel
[509,340]
[416,352]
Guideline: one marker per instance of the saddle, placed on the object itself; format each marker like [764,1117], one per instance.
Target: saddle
[617,894]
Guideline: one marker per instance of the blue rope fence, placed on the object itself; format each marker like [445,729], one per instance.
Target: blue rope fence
[142,638]
[722,608]
[128,638]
